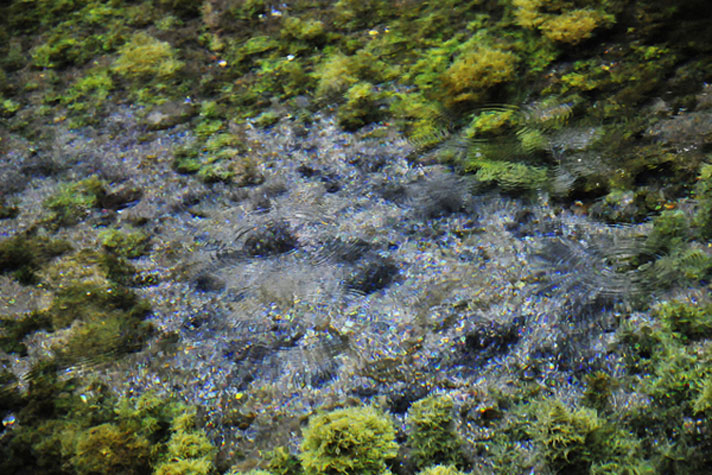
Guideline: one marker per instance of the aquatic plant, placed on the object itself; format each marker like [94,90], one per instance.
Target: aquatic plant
[441,470]
[146,57]
[559,22]
[107,448]
[361,106]
[130,244]
[73,202]
[354,440]
[472,73]
[580,441]
[432,436]
[188,451]
[281,462]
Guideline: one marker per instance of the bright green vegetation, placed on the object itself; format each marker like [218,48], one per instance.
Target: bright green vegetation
[441,470]
[68,427]
[73,202]
[432,434]
[354,440]
[428,68]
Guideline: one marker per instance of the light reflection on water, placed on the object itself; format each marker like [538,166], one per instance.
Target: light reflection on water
[405,279]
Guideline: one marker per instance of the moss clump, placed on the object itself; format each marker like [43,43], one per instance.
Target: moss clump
[89,92]
[281,462]
[189,452]
[473,73]
[441,470]
[68,426]
[580,441]
[432,438]
[361,106]
[106,318]
[309,30]
[574,26]
[339,72]
[73,202]
[686,320]
[107,448]
[130,244]
[561,23]
[145,57]
[510,176]
[671,230]
[109,321]
[357,440]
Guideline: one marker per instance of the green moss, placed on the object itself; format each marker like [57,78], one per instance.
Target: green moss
[88,92]
[580,441]
[671,230]
[130,244]
[361,108]
[145,57]
[687,320]
[339,72]
[73,202]
[267,119]
[109,449]
[281,462]
[65,426]
[186,160]
[574,26]
[561,21]
[189,451]
[8,107]
[473,73]
[599,390]
[432,438]
[353,14]
[309,30]
[59,51]
[441,470]
[355,440]
[510,176]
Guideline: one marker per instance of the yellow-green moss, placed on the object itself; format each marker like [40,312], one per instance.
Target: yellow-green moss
[441,470]
[109,449]
[561,21]
[474,72]
[189,452]
[357,440]
[73,202]
[574,26]
[361,106]
[145,57]
[432,436]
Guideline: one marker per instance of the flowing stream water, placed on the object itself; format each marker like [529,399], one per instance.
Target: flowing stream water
[356,268]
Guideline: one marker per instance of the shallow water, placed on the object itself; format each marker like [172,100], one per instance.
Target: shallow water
[351,271]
